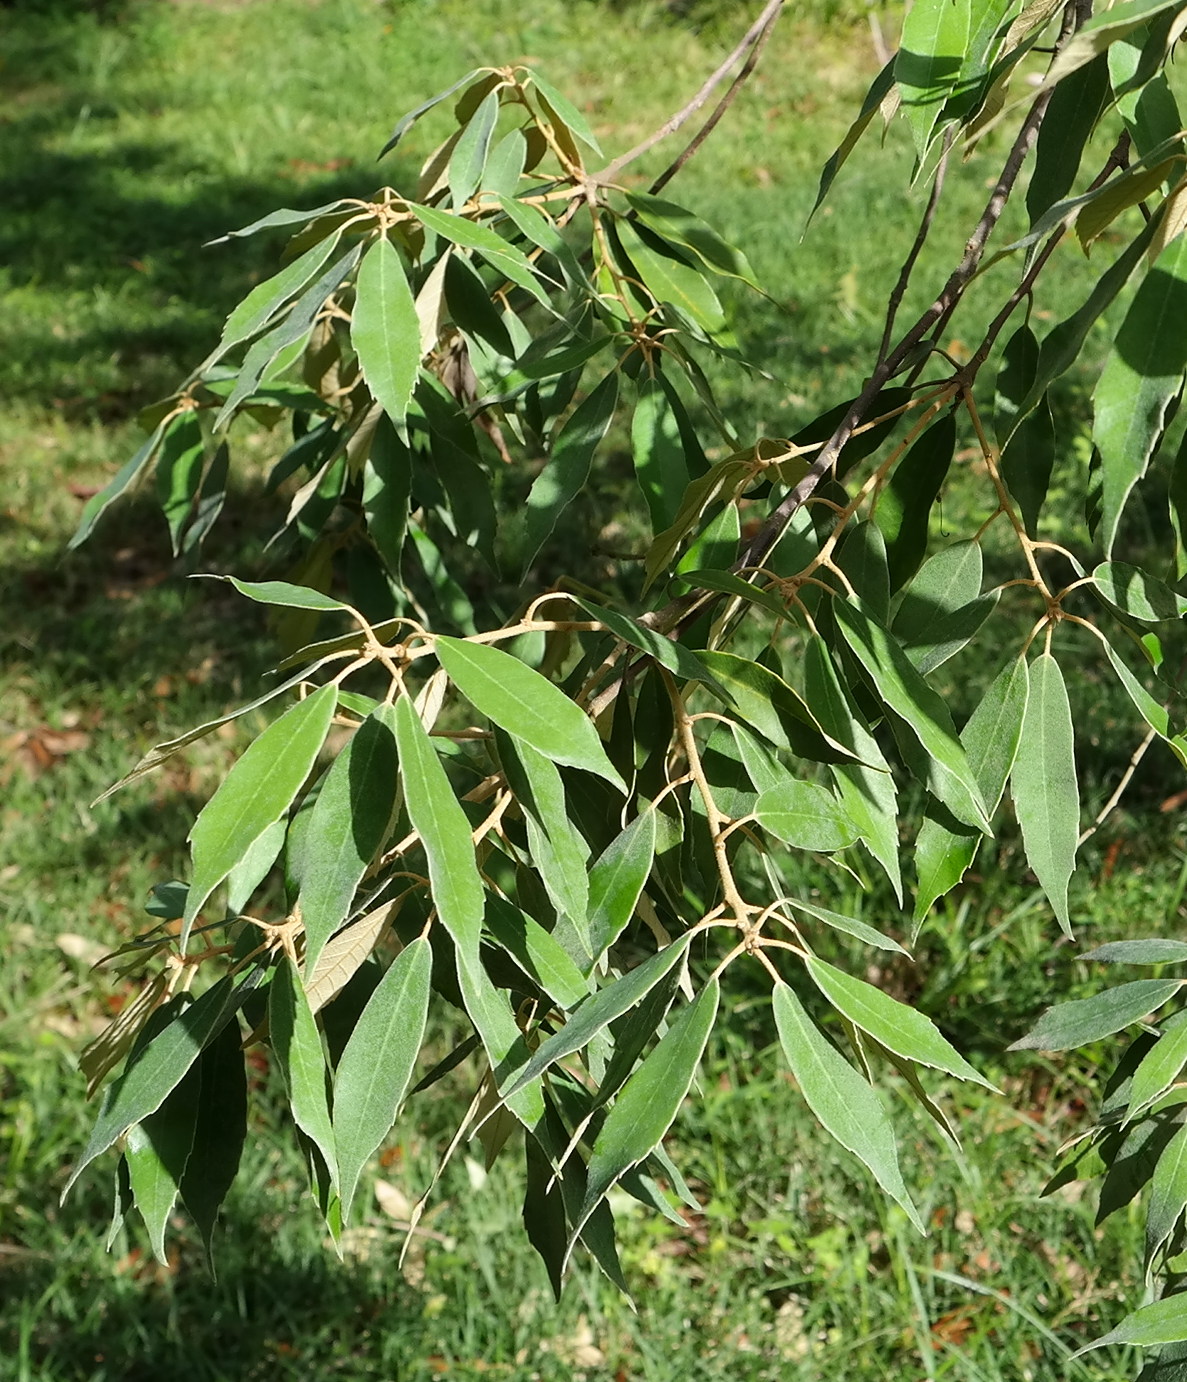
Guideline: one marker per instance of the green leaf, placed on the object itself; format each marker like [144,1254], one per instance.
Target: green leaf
[806,816]
[866,787]
[1044,786]
[471,151]
[1071,116]
[667,652]
[990,740]
[349,821]
[302,1060]
[905,506]
[1168,1193]
[385,330]
[531,222]
[500,254]
[557,848]
[660,463]
[1159,1069]
[407,121]
[1164,1322]
[617,879]
[1068,1025]
[1142,375]
[686,229]
[260,305]
[845,1104]
[765,703]
[669,278]
[862,558]
[377,1064]
[721,484]
[521,701]
[880,88]
[179,472]
[1102,30]
[504,166]
[535,950]
[931,53]
[704,578]
[899,1028]
[157,1151]
[1137,593]
[1027,442]
[387,488]
[851,926]
[943,608]
[258,790]
[564,476]
[565,110]
[285,216]
[1156,951]
[899,686]
[597,1011]
[124,478]
[154,1071]
[220,1131]
[282,593]
[650,1099]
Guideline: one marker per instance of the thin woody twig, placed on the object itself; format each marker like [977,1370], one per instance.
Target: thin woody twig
[753,35]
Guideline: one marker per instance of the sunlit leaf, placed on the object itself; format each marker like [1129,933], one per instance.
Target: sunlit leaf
[302,1061]
[385,330]
[1068,1025]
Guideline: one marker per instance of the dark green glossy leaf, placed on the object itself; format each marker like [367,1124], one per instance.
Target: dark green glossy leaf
[220,1131]
[669,278]
[263,302]
[656,445]
[1027,442]
[1071,117]
[157,1150]
[851,926]
[407,121]
[283,593]
[566,110]
[862,557]
[499,253]
[387,487]
[1160,1067]
[1068,1025]
[617,879]
[904,508]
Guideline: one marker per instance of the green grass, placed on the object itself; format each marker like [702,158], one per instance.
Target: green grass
[133,137]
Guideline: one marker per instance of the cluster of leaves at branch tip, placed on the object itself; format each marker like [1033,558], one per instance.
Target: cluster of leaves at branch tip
[571,814]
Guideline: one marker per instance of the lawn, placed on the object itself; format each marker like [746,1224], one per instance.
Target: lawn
[130,136]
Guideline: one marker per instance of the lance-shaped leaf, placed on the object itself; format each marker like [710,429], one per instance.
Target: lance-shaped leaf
[650,1099]
[124,478]
[851,926]
[1152,711]
[260,305]
[157,1151]
[1071,117]
[899,686]
[385,330]
[617,879]
[220,1131]
[669,278]
[258,790]
[862,560]
[557,847]
[688,666]
[723,483]
[661,466]
[536,951]
[479,74]
[990,740]
[179,472]
[931,53]
[1044,786]
[1096,36]
[1164,1322]
[598,1011]
[1027,443]
[531,222]
[283,593]
[564,475]
[905,506]
[899,1028]
[1142,375]
[346,827]
[806,816]
[470,152]
[1160,1067]
[157,1068]
[458,895]
[302,1060]
[1137,593]
[565,110]
[845,1104]
[879,89]
[499,253]
[764,702]
[376,1066]
[1068,1025]
[518,699]
[1156,951]
[387,488]
[1168,1194]
[343,955]
[687,230]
